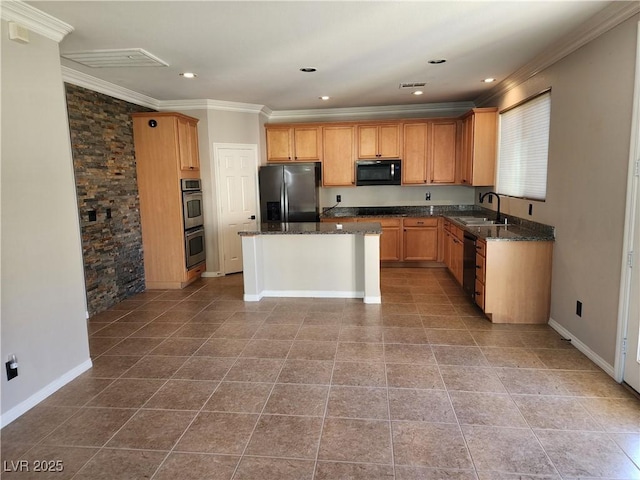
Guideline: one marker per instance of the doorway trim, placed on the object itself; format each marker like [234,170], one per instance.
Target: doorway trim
[629,225]
[215,174]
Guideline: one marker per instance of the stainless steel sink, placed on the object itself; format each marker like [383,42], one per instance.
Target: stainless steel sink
[477,221]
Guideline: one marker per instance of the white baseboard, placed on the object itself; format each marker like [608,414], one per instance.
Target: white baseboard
[10,415]
[593,356]
[373,300]
[312,293]
[212,274]
[252,298]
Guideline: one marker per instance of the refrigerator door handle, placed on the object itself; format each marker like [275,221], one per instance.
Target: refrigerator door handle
[284,201]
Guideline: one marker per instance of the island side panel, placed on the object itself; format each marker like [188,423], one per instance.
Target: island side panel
[372,269]
[253,268]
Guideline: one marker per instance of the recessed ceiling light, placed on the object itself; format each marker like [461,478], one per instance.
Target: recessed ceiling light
[437,61]
[308,70]
[324,97]
[489,80]
[417,92]
[188,75]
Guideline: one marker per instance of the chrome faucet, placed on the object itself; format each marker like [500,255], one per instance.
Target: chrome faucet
[497,197]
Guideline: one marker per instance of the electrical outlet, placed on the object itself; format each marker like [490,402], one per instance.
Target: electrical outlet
[12,367]
[338,198]
[427,196]
[579,308]
[531,209]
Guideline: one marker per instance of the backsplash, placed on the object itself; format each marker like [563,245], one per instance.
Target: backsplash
[105,174]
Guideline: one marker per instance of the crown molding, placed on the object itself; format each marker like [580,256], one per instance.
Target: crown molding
[80,79]
[210,105]
[603,21]
[390,111]
[34,20]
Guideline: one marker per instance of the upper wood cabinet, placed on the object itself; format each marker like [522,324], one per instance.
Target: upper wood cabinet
[479,147]
[429,152]
[338,165]
[294,144]
[166,147]
[189,157]
[378,141]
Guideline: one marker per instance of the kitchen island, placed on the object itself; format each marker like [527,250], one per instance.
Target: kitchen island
[312,260]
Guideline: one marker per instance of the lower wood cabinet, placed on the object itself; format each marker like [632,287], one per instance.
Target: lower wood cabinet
[513,280]
[453,239]
[403,239]
[420,239]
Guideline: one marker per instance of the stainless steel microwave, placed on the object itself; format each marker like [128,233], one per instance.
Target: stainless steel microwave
[378,172]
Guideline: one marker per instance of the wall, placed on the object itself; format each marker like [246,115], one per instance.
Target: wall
[591,108]
[105,173]
[219,126]
[43,307]
[391,195]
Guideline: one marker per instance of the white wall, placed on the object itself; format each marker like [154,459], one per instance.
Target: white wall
[393,195]
[219,126]
[591,108]
[43,308]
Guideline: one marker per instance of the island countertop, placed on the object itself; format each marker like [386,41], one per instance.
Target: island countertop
[311,228]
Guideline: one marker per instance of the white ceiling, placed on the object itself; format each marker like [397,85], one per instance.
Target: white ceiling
[251,52]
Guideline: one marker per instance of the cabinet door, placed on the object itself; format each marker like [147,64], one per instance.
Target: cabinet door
[443,152]
[188,145]
[466,151]
[279,144]
[420,239]
[367,141]
[414,160]
[338,166]
[307,144]
[390,243]
[389,141]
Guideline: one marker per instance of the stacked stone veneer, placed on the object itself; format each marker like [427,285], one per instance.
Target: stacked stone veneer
[105,173]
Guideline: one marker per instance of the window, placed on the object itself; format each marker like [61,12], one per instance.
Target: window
[524,149]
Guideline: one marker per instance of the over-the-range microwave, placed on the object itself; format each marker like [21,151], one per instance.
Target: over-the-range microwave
[378,172]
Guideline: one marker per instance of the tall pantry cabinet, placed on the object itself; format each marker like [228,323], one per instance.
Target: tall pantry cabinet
[166,151]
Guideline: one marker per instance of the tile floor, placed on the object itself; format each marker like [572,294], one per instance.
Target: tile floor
[197,384]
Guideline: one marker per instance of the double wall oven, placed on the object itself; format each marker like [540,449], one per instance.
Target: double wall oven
[193,221]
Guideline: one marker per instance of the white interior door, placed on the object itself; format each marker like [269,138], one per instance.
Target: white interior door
[237,169]
[631,278]
[632,358]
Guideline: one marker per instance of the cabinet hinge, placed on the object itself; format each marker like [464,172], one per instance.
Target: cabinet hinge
[630,259]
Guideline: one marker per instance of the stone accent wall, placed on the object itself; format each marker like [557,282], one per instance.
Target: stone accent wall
[105,172]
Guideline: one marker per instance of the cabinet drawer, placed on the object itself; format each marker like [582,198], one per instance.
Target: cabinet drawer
[338,220]
[383,221]
[480,268]
[420,222]
[479,294]
[481,248]
[457,232]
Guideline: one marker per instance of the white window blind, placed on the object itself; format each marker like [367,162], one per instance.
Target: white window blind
[524,149]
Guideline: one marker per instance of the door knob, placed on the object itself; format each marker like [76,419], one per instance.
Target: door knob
[252,217]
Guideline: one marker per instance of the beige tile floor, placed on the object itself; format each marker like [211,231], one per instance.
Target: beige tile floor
[197,384]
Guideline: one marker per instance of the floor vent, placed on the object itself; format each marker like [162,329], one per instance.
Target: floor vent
[412,85]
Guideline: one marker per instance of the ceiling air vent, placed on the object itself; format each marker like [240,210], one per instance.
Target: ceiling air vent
[412,85]
[125,57]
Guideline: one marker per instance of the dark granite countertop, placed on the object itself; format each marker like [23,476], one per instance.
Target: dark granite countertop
[310,228]
[517,229]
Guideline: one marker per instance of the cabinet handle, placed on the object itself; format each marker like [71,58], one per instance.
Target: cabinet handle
[477,293]
[478,267]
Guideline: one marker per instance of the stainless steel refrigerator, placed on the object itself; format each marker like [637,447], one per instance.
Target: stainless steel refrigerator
[289,193]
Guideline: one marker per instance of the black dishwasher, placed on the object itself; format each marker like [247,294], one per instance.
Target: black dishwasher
[469,265]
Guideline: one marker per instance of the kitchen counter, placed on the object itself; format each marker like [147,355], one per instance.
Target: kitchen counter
[312,260]
[517,229]
[308,228]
